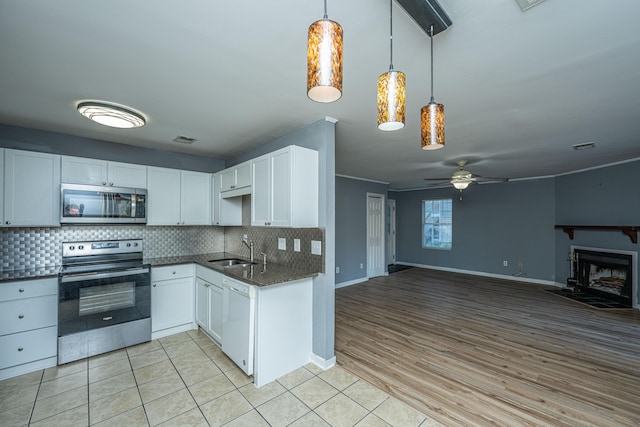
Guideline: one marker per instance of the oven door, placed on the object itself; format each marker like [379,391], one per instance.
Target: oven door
[98,300]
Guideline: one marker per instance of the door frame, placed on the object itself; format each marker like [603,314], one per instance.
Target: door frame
[391,231]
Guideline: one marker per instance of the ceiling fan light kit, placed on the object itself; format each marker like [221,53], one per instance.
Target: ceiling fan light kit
[391,90]
[111,115]
[324,60]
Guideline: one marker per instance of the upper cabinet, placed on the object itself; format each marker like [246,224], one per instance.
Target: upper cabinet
[79,170]
[31,189]
[285,188]
[236,181]
[178,197]
[224,211]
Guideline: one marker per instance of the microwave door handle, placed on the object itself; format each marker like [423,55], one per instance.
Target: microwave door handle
[133,205]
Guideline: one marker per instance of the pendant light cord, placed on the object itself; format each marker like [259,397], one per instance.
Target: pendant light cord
[431,37]
[390,35]
[325,10]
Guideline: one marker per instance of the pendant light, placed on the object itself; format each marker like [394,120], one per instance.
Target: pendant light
[324,60]
[432,117]
[391,90]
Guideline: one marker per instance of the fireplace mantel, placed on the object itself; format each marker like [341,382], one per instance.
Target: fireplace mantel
[629,230]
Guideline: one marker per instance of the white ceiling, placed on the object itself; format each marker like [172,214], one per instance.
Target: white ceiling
[519,88]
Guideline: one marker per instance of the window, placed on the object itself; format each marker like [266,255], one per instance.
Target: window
[437,223]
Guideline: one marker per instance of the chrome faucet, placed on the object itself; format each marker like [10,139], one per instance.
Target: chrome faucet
[250,246]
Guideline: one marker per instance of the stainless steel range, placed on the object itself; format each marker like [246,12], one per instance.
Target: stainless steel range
[104,298]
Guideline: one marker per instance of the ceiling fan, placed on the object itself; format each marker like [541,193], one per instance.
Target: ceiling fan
[462,178]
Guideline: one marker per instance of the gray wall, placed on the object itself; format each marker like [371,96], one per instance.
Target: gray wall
[606,196]
[57,143]
[494,222]
[351,226]
[319,136]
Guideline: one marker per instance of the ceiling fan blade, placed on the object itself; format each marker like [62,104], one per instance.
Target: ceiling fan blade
[489,179]
[437,179]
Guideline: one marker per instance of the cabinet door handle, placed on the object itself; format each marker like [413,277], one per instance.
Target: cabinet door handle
[8,222]
[154,285]
[111,184]
[21,290]
[20,316]
[20,348]
[104,182]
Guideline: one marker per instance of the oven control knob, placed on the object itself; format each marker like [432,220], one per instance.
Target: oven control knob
[80,247]
[71,248]
[135,244]
[128,245]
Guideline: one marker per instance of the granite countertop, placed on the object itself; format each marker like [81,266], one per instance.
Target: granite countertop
[29,273]
[256,274]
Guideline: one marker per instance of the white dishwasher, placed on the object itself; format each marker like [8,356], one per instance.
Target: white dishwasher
[238,323]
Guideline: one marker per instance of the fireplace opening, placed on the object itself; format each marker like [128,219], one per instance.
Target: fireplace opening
[604,274]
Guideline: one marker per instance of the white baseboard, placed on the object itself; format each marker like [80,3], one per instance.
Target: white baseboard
[171,331]
[324,364]
[351,282]
[26,368]
[483,274]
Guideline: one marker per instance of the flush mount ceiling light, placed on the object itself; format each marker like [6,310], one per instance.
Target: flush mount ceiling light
[391,90]
[432,117]
[324,60]
[111,115]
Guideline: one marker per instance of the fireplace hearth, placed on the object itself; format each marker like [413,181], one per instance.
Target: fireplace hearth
[605,273]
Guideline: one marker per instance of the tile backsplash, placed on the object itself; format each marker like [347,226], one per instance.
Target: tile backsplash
[41,247]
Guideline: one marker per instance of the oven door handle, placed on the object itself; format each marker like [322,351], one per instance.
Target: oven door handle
[92,276]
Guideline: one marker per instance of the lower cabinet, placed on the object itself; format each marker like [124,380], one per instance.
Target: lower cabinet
[172,299]
[209,308]
[28,326]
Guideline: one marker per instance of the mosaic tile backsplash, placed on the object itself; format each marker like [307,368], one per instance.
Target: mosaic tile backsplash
[36,248]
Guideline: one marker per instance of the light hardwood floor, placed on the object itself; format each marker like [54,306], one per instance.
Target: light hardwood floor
[469,350]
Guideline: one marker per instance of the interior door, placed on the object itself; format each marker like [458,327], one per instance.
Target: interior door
[375,235]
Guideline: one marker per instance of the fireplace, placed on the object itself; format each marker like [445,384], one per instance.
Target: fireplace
[606,272]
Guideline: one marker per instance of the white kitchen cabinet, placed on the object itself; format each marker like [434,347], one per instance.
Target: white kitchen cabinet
[209,308]
[80,170]
[172,300]
[28,326]
[285,188]
[226,211]
[31,189]
[177,197]
[236,181]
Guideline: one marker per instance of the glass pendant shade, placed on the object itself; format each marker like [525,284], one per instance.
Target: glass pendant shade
[391,100]
[432,126]
[111,115]
[324,61]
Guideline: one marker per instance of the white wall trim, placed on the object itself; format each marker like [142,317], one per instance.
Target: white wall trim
[352,282]
[361,179]
[483,274]
[324,364]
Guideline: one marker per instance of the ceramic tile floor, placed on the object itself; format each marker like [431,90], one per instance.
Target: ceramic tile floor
[186,380]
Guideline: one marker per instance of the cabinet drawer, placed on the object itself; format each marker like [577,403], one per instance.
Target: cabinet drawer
[28,289]
[25,347]
[171,272]
[27,314]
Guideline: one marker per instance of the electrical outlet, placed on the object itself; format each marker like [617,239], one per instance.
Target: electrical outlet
[244,237]
[337,270]
[296,245]
[505,263]
[361,266]
[316,247]
[282,243]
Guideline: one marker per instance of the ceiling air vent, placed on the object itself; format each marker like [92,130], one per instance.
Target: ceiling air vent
[584,146]
[184,139]
[528,4]
[427,13]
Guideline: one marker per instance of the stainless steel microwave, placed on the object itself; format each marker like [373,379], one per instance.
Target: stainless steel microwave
[94,204]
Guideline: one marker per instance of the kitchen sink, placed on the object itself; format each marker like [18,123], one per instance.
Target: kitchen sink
[228,262]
